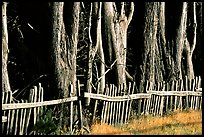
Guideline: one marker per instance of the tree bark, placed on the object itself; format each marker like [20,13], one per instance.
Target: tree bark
[183,44]
[116,30]
[181,35]
[150,43]
[72,45]
[5,78]
[64,47]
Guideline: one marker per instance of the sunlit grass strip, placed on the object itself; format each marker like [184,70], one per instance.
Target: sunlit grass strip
[177,123]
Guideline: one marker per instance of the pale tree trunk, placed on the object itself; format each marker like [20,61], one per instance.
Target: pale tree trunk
[180,39]
[95,10]
[183,44]
[190,48]
[90,59]
[101,78]
[116,30]
[5,79]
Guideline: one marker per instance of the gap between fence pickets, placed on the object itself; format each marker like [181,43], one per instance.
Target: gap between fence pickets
[37,104]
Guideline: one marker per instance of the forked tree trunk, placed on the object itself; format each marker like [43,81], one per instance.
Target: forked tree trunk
[5,79]
[183,43]
[116,25]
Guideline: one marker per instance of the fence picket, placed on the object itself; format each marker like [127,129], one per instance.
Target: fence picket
[130,106]
[127,104]
[24,117]
[114,106]
[123,104]
[12,121]
[80,106]
[31,99]
[103,115]
[171,98]
[96,102]
[21,119]
[119,110]
[117,106]
[175,105]
[9,98]
[71,110]
[16,124]
[111,103]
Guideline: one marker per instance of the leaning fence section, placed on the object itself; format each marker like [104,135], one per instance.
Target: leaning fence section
[18,118]
[22,115]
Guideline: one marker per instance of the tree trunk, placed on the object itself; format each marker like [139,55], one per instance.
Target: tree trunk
[100,50]
[72,32]
[64,47]
[116,30]
[5,79]
[181,35]
[183,43]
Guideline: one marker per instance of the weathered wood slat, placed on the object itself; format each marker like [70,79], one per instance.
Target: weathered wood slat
[71,110]
[118,98]
[114,106]
[104,108]
[111,103]
[4,118]
[12,121]
[108,108]
[24,118]
[96,103]
[9,97]
[127,104]
[130,107]
[31,99]
[119,105]
[35,108]
[80,106]
[16,125]
[21,119]
[175,93]
[37,104]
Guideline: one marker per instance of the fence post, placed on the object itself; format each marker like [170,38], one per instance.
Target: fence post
[80,107]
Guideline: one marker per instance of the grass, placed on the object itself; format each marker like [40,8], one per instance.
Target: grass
[176,123]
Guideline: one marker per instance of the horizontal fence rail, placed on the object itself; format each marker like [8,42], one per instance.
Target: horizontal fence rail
[114,106]
[117,98]
[37,104]
[175,93]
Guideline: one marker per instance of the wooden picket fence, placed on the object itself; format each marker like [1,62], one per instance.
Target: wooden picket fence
[118,103]
[180,94]
[115,106]
[17,114]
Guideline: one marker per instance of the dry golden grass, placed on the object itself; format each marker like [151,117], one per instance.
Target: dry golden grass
[105,129]
[178,123]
